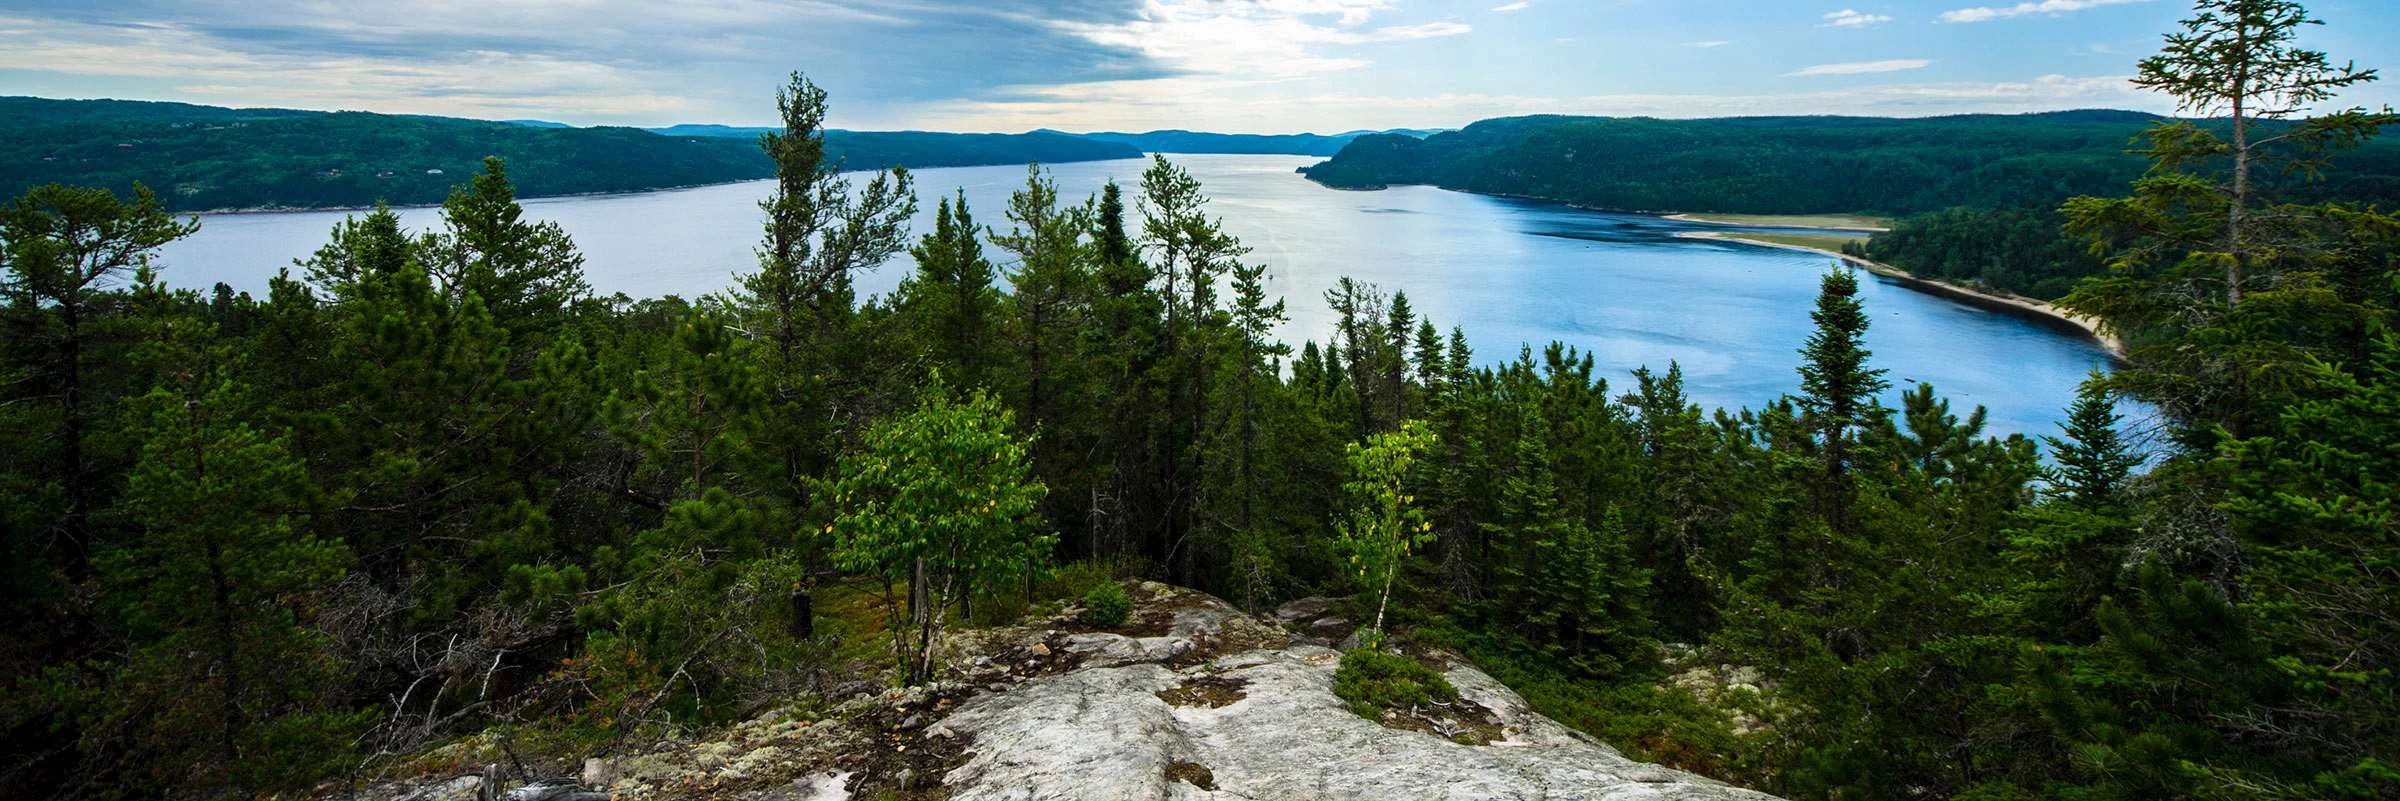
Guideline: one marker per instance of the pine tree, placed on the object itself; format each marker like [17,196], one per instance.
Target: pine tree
[63,247]
[819,230]
[528,275]
[224,687]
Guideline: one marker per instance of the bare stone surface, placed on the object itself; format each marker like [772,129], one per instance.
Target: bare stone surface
[1104,732]
[1192,699]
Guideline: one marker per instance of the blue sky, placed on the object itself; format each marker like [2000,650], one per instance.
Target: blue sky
[1230,65]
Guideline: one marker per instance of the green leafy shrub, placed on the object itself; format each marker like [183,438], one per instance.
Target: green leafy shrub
[1372,681]
[1106,605]
[1073,579]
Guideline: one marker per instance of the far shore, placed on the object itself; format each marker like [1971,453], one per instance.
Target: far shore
[2029,308]
[437,204]
[1821,222]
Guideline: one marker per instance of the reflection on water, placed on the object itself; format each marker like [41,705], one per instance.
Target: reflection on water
[1621,287]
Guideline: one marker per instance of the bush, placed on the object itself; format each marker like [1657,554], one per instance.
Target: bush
[1372,681]
[1106,605]
[1071,580]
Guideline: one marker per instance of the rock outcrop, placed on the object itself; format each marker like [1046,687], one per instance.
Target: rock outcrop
[1192,699]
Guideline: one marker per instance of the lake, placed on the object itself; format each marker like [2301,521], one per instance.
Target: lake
[1620,286]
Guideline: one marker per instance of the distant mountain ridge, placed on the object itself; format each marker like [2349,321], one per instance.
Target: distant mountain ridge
[207,157]
[1301,144]
[1796,165]
[1160,141]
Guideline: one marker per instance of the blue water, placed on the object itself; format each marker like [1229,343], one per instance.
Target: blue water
[1512,272]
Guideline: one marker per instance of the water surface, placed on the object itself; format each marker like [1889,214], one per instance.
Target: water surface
[1512,272]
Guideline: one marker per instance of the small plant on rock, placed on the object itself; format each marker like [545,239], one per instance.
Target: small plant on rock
[1372,680]
[1106,606]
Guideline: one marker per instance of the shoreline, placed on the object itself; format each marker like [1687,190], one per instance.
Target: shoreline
[436,205]
[1701,218]
[602,193]
[2020,306]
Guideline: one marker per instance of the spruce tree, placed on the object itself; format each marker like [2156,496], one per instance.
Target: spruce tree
[1837,388]
[2242,58]
[951,304]
[2094,461]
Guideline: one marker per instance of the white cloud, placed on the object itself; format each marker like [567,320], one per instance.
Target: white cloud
[472,83]
[1259,39]
[1849,18]
[1710,43]
[1989,13]
[1861,67]
[1516,6]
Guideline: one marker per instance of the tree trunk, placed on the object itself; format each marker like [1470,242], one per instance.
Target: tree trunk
[2241,188]
[75,529]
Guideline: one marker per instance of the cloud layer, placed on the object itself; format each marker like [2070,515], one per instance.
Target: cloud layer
[1862,67]
[1852,18]
[1987,14]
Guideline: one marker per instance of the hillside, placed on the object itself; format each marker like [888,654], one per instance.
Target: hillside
[1303,144]
[205,157]
[1792,165]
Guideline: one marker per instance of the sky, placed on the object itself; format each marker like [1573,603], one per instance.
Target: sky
[1256,66]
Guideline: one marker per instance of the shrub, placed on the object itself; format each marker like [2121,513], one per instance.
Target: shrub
[1106,605]
[1372,681]
[1073,579]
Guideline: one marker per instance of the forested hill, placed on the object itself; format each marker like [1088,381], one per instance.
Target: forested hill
[1793,165]
[1302,144]
[205,157]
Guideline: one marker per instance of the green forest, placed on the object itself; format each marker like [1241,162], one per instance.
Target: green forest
[431,487]
[207,158]
[1805,165]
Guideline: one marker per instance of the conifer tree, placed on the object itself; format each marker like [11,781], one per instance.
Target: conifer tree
[63,247]
[951,303]
[2242,58]
[526,274]
[1252,365]
[1837,388]
[819,231]
[2094,461]
[1051,296]
[224,677]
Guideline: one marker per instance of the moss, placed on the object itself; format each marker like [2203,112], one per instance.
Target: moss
[1373,681]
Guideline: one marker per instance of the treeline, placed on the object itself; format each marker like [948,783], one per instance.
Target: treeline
[1305,144]
[1799,165]
[430,486]
[203,158]
[2024,251]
